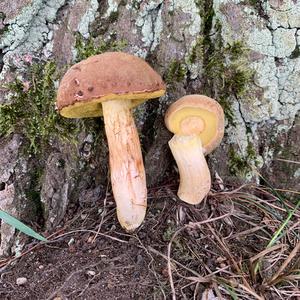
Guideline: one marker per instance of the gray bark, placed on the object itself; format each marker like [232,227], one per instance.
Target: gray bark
[191,44]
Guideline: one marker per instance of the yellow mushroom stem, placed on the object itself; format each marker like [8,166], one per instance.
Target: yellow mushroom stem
[195,180]
[126,163]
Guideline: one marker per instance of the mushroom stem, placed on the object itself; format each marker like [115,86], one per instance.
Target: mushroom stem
[194,174]
[128,177]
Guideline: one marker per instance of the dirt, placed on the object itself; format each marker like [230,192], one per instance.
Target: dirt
[211,246]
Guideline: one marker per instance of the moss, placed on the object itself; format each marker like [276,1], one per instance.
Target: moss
[242,165]
[3,28]
[176,72]
[225,68]
[87,48]
[33,194]
[295,53]
[113,17]
[136,4]
[197,52]
[235,50]
[253,3]
[32,110]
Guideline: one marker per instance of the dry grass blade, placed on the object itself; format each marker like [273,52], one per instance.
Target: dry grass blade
[285,264]
[266,251]
[288,161]
[246,232]
[246,286]
[192,224]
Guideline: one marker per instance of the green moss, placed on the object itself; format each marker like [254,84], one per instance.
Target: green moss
[113,17]
[32,109]
[33,194]
[87,48]
[242,165]
[197,52]
[176,72]
[136,4]
[235,50]
[226,72]
[4,27]
[295,53]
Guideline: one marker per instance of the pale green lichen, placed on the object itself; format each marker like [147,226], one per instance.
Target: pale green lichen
[29,30]
[88,18]
[190,8]
[112,8]
[151,25]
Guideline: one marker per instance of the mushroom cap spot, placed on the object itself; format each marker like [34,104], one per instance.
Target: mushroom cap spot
[185,112]
[104,77]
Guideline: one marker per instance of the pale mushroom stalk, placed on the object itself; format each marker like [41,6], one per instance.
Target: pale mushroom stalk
[195,180]
[126,163]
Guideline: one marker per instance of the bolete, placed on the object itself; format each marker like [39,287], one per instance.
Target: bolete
[198,124]
[110,85]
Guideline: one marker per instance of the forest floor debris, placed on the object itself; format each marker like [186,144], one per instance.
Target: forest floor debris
[240,243]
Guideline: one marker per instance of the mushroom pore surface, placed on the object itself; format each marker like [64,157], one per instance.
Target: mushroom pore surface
[197,114]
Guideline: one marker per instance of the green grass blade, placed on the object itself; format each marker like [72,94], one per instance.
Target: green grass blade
[20,226]
[279,232]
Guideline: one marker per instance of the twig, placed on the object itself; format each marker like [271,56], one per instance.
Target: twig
[91,231]
[103,215]
[288,161]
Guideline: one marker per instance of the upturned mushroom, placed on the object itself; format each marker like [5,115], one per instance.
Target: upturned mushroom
[110,85]
[198,124]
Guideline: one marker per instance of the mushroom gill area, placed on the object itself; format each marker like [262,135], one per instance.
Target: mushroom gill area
[93,108]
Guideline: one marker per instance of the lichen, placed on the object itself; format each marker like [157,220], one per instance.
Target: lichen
[149,20]
[29,30]
[191,8]
[88,18]
[32,109]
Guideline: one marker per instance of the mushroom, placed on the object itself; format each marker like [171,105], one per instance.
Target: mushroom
[198,124]
[110,85]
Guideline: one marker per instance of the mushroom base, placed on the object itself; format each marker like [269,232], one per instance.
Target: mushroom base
[128,177]
[195,180]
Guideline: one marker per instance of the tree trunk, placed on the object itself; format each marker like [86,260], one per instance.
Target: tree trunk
[245,54]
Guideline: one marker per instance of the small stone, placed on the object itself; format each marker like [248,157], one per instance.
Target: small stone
[91,273]
[71,241]
[21,281]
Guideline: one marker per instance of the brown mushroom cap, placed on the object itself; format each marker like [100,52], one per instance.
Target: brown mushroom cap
[197,114]
[103,77]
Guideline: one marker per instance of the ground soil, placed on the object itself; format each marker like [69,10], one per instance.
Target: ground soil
[211,249]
